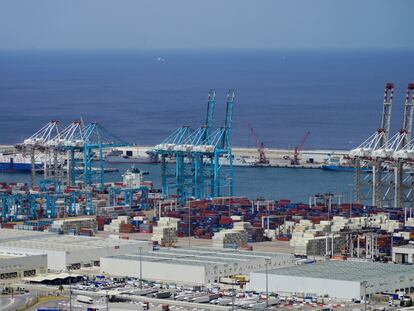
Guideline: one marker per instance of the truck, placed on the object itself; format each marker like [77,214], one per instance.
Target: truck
[84,299]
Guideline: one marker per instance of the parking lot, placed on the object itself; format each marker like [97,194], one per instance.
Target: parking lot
[130,295]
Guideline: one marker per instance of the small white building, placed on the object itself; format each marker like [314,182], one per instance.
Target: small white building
[338,279]
[65,251]
[17,265]
[192,265]
[403,254]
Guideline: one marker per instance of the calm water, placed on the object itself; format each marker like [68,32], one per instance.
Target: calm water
[335,95]
[271,183]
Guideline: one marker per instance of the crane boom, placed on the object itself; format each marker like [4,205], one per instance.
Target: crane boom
[298,149]
[260,146]
[386,116]
[408,113]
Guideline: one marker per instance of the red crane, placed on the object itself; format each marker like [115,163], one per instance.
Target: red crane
[260,147]
[298,149]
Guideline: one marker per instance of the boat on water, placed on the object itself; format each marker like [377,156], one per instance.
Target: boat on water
[117,156]
[339,164]
[344,168]
[18,163]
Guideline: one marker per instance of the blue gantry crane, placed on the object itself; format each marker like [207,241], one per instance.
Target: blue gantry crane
[198,155]
[77,145]
[96,138]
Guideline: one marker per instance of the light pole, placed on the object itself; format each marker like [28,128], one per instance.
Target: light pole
[140,267]
[189,226]
[70,289]
[364,283]
[267,283]
[107,301]
[229,181]
[233,294]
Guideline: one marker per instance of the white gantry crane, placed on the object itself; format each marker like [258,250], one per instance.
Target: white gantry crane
[377,141]
[403,155]
[69,140]
[39,142]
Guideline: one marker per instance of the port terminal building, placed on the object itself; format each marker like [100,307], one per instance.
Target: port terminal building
[192,265]
[337,279]
[67,251]
[403,254]
[18,265]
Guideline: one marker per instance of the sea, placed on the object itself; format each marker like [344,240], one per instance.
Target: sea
[143,96]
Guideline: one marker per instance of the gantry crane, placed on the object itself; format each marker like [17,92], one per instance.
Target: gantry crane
[363,153]
[298,149]
[402,147]
[260,147]
[197,154]
[39,142]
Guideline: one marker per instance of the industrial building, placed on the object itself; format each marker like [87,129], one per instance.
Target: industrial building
[337,279]
[65,251]
[403,254]
[192,265]
[17,265]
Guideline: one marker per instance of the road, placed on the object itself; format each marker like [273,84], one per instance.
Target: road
[10,304]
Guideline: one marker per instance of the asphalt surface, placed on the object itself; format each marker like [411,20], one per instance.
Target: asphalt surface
[9,304]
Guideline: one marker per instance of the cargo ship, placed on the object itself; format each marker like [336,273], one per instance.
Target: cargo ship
[344,168]
[117,156]
[11,163]
[336,165]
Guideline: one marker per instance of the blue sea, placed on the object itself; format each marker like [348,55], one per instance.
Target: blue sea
[337,96]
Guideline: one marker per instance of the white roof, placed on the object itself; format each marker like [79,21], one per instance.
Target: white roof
[346,270]
[34,241]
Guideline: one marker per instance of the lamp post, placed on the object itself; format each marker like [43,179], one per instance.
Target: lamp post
[140,267]
[364,283]
[267,283]
[229,181]
[70,289]
[189,225]
[107,301]
[233,295]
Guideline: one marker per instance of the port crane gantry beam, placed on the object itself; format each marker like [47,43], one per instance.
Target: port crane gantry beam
[197,154]
[96,137]
[364,152]
[39,142]
[403,183]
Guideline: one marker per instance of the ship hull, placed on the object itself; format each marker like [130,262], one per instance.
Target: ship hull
[339,168]
[120,160]
[18,167]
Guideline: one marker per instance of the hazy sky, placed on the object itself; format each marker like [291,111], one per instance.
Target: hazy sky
[213,24]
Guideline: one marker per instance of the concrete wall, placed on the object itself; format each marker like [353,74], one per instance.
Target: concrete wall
[334,288]
[402,254]
[293,284]
[24,263]
[158,271]
[59,260]
[84,257]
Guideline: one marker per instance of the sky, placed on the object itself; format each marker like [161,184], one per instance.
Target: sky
[212,24]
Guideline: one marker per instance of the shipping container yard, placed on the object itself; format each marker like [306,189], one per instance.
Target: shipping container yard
[206,156]
[186,240]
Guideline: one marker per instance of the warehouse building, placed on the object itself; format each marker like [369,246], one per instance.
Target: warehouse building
[65,251]
[337,279]
[403,254]
[17,265]
[192,265]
